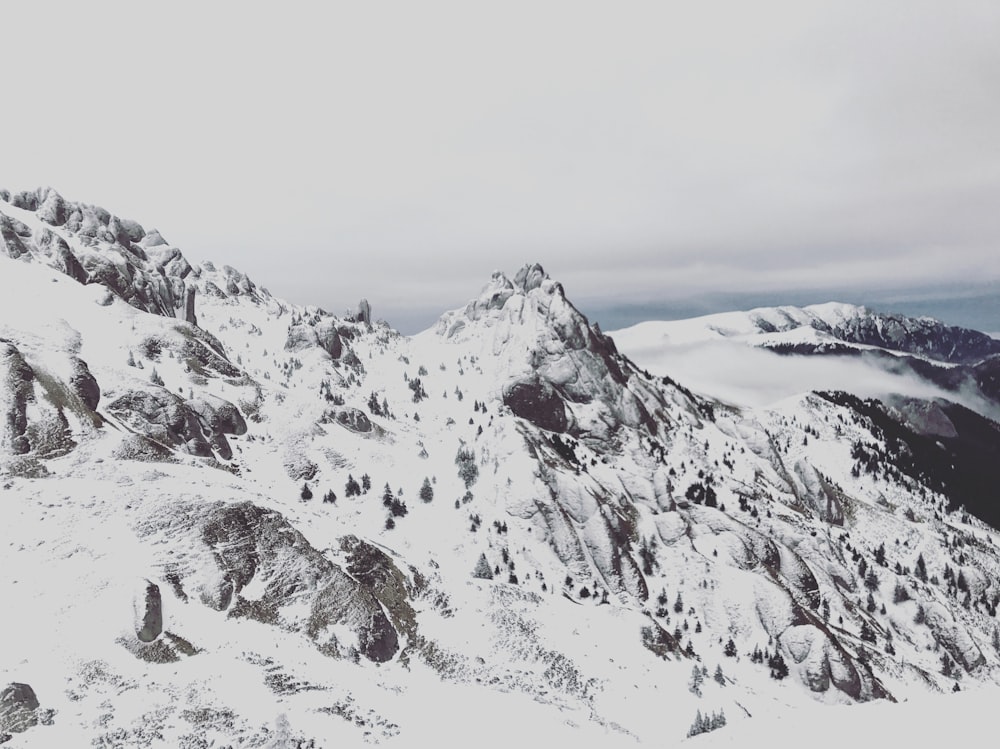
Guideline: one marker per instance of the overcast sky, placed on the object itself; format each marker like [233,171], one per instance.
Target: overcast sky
[639,151]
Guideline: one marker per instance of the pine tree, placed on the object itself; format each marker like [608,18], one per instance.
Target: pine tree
[694,686]
[730,649]
[698,726]
[871,580]
[921,569]
[352,489]
[720,678]
[366,483]
[779,669]
[482,570]
[678,604]
[426,491]
[306,492]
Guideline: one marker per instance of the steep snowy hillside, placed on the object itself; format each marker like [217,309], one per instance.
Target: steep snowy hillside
[235,521]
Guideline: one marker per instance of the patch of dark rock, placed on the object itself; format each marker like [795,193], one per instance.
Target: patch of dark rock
[142,448]
[169,648]
[658,641]
[538,402]
[84,384]
[151,623]
[18,708]
[353,419]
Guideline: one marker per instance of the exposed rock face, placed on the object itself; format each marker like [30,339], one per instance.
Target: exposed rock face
[551,353]
[923,417]
[352,418]
[817,494]
[194,427]
[298,588]
[312,334]
[149,608]
[364,312]
[537,401]
[162,416]
[189,315]
[18,708]
[13,234]
[84,384]
[16,383]
[329,338]
[217,418]
[922,336]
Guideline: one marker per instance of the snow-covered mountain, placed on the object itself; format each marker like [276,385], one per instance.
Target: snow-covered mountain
[231,520]
[877,352]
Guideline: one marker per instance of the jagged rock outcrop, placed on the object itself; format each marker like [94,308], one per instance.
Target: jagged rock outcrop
[84,384]
[18,708]
[322,334]
[149,613]
[296,588]
[538,402]
[550,352]
[189,313]
[16,390]
[195,427]
[364,312]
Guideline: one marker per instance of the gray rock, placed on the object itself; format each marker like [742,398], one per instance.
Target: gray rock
[150,610]
[163,417]
[12,242]
[84,384]
[189,315]
[538,402]
[364,312]
[295,586]
[16,377]
[18,708]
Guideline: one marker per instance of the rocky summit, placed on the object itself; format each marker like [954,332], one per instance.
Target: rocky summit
[232,520]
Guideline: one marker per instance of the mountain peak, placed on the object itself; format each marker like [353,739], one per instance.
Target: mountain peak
[530,277]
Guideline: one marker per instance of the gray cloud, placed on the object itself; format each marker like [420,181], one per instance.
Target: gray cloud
[637,150]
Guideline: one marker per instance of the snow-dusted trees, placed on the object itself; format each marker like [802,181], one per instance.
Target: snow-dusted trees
[468,471]
[426,490]
[482,570]
[706,723]
[697,679]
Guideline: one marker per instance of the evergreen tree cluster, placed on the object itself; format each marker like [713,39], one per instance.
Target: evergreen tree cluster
[706,723]
[468,471]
